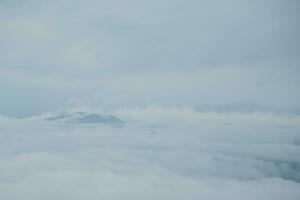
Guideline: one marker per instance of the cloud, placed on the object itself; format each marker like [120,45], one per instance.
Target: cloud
[228,85]
[161,153]
[124,53]
[208,90]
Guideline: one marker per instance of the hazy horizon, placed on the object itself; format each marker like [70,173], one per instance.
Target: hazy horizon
[149,100]
[131,53]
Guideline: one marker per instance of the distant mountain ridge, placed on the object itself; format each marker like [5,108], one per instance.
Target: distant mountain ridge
[246,108]
[86,118]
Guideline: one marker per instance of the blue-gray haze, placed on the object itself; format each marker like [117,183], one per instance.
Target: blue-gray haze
[137,53]
[143,100]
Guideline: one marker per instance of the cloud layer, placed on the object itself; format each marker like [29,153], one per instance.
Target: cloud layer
[160,153]
[131,52]
[223,76]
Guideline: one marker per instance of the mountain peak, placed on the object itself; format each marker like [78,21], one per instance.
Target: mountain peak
[86,118]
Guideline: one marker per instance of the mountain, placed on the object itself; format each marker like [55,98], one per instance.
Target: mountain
[86,118]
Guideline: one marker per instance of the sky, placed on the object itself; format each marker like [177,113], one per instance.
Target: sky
[129,53]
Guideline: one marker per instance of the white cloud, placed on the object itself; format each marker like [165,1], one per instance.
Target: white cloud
[161,153]
[129,54]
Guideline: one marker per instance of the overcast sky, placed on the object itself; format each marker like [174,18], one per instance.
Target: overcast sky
[121,53]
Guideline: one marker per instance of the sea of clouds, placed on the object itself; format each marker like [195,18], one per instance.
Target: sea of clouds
[159,153]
